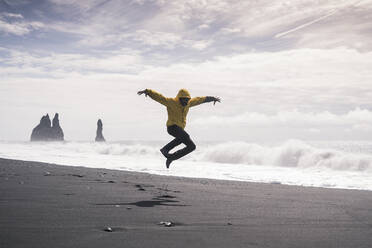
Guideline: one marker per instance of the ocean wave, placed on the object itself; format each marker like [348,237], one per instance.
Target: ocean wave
[338,165]
[128,150]
[292,153]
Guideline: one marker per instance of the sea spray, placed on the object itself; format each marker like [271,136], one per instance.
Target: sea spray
[337,165]
[293,153]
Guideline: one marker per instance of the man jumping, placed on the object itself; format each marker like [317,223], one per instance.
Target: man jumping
[178,108]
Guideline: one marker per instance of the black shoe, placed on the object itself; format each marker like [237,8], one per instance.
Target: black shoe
[168,162]
[165,153]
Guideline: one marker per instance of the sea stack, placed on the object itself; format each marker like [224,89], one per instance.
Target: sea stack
[57,132]
[42,131]
[45,131]
[99,136]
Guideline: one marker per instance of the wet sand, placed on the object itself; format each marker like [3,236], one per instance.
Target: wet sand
[47,205]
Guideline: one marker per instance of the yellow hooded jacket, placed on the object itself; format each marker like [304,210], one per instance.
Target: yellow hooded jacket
[176,112]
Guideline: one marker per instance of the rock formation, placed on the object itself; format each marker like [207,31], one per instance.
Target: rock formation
[42,131]
[57,132]
[47,132]
[99,135]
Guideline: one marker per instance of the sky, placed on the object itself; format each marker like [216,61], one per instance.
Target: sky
[291,69]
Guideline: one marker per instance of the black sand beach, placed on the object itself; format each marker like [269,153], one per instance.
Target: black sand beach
[46,205]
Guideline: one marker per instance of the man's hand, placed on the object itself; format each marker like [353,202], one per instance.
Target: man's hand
[213,99]
[142,92]
[216,99]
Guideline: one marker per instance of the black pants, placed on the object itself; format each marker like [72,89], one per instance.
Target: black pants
[180,137]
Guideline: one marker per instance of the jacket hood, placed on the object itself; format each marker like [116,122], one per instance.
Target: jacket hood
[183,93]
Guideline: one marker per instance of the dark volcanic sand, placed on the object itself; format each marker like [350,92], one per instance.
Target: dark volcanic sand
[46,205]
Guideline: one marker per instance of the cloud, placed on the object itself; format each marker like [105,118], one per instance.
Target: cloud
[301,65]
[219,27]
[360,119]
[168,40]
[261,57]
[11,15]
[38,64]
[202,44]
[82,5]
[127,25]
[15,24]
[271,81]
[148,40]
[203,26]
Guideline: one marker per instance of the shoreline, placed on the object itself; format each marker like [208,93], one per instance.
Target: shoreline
[190,177]
[291,163]
[49,205]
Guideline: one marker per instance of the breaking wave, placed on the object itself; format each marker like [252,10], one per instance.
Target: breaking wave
[128,150]
[338,165]
[290,154]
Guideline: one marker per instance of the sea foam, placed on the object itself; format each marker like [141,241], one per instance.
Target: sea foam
[336,165]
[292,153]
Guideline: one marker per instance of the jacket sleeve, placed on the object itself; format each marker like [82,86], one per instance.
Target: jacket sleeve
[196,101]
[157,96]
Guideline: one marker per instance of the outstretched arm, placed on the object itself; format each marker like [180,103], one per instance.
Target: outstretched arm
[154,95]
[199,100]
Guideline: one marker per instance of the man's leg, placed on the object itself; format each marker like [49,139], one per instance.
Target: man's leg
[172,130]
[165,150]
[181,137]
